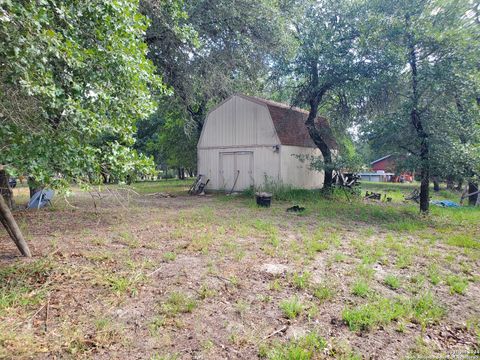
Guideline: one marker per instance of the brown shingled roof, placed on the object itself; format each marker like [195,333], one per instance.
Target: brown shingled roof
[290,125]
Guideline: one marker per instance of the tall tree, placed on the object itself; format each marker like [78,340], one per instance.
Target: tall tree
[205,50]
[71,73]
[433,66]
[330,57]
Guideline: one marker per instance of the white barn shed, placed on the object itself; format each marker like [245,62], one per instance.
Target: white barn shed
[246,140]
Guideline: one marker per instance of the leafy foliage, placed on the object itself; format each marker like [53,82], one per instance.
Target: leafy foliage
[206,50]
[74,81]
[425,107]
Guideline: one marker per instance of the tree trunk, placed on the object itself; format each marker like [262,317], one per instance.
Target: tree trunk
[450,184]
[315,133]
[33,186]
[424,191]
[181,173]
[459,185]
[416,122]
[472,188]
[8,221]
[5,190]
[436,185]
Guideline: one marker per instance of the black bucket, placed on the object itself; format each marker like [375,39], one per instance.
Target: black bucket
[264,199]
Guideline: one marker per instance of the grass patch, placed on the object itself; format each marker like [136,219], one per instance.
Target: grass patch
[169,256]
[372,315]
[292,307]
[324,292]
[434,274]
[365,271]
[301,281]
[177,303]
[457,284]
[23,284]
[123,284]
[156,324]
[304,348]
[361,288]
[423,310]
[392,282]
[426,310]
[463,241]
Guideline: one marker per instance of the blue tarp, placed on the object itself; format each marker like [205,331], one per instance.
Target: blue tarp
[444,203]
[40,199]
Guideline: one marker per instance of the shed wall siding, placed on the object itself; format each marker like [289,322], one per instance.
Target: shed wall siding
[297,173]
[238,122]
[266,162]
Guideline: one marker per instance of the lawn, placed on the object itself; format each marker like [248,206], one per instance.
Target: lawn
[129,272]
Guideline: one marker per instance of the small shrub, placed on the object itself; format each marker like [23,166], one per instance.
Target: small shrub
[291,308]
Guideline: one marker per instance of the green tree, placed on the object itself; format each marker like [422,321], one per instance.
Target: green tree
[330,60]
[72,73]
[426,104]
[163,136]
[206,50]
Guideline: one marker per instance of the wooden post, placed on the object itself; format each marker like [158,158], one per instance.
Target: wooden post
[5,190]
[473,193]
[8,221]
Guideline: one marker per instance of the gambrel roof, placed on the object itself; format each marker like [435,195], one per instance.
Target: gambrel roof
[289,123]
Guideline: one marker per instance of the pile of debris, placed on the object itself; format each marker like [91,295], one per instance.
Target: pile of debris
[377,196]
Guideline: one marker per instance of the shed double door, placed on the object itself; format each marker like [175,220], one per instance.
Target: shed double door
[236,168]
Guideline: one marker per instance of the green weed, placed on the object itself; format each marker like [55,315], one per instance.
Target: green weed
[423,310]
[464,241]
[426,310]
[176,303]
[324,292]
[360,288]
[392,282]
[371,315]
[301,281]
[292,307]
[457,284]
[304,348]
[434,274]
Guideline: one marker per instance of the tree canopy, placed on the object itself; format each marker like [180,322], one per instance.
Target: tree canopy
[74,80]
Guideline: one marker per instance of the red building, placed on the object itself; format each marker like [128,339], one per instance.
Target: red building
[387,164]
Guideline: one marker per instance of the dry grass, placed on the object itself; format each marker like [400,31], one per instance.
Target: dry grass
[216,277]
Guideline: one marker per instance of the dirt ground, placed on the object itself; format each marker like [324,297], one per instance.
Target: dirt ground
[122,275]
